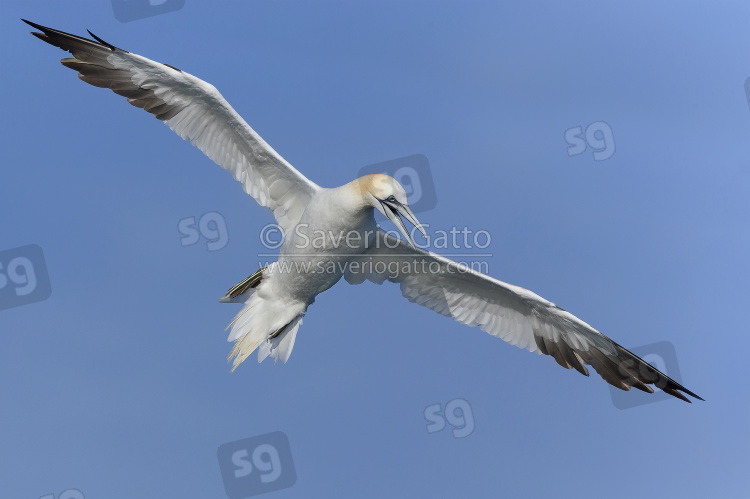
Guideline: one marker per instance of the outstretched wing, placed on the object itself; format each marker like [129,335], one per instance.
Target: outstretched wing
[196,111]
[514,314]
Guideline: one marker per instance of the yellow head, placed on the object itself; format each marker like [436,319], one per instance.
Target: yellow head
[385,194]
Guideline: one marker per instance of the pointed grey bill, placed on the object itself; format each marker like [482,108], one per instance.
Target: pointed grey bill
[407,213]
[394,209]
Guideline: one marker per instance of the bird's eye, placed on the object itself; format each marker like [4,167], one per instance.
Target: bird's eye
[391,198]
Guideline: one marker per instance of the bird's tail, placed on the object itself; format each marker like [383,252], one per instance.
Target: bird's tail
[267,325]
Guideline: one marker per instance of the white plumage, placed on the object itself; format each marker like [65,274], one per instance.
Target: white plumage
[276,298]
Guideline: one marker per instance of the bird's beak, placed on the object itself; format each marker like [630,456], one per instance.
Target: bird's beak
[392,209]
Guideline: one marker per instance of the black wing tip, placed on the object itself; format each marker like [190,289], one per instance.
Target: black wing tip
[108,45]
[46,32]
[667,384]
[674,388]
[691,394]
[43,29]
[683,389]
[33,25]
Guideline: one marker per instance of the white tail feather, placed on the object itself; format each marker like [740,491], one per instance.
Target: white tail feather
[281,346]
[260,318]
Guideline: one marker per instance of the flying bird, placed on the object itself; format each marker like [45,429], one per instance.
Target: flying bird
[276,297]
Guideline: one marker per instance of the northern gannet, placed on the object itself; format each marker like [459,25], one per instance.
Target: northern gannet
[276,297]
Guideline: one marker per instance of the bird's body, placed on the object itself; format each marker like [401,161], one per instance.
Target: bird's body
[336,227]
[331,233]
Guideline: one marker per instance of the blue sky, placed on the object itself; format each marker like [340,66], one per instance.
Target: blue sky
[117,385]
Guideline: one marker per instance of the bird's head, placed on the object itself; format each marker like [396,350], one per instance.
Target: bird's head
[386,195]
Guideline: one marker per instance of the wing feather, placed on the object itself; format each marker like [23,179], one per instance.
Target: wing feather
[197,112]
[514,314]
